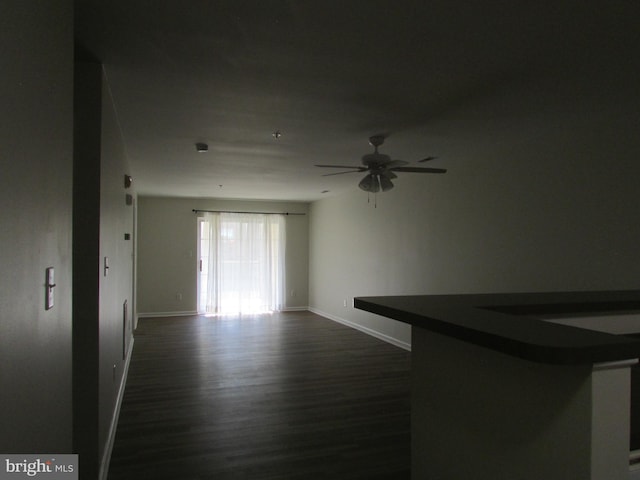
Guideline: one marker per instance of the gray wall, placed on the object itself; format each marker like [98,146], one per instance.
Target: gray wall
[116,219]
[36,135]
[102,332]
[167,251]
[39,348]
[548,202]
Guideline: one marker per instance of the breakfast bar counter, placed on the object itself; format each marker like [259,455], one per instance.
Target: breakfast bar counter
[519,386]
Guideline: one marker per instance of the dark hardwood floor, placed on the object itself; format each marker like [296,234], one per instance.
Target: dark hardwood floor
[284,396]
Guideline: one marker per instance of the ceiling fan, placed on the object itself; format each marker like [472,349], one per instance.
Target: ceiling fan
[380,168]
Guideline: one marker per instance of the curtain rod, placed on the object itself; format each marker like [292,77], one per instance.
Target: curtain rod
[257,213]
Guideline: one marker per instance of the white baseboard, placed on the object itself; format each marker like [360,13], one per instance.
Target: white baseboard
[362,328]
[106,456]
[190,313]
[167,314]
[295,309]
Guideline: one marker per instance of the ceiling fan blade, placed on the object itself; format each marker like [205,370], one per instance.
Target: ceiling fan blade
[340,173]
[419,170]
[395,163]
[353,167]
[427,159]
[385,183]
[370,184]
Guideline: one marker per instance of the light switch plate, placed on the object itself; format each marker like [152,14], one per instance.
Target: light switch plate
[49,286]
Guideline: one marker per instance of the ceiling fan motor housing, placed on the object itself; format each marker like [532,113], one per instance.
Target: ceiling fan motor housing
[376,159]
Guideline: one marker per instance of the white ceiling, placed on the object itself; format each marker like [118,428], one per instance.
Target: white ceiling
[441,77]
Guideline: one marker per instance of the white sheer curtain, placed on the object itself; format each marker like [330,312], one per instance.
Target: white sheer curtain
[246,263]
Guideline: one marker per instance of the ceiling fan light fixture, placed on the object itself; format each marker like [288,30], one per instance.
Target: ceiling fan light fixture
[385,183]
[370,183]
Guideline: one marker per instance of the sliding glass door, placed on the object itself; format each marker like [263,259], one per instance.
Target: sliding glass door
[241,268]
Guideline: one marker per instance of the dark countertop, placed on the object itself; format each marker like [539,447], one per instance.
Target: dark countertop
[507,323]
